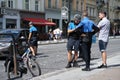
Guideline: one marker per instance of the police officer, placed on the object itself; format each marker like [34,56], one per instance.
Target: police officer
[33,38]
[73,41]
[89,29]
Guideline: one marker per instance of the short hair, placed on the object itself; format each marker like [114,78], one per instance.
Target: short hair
[103,12]
[85,13]
[77,17]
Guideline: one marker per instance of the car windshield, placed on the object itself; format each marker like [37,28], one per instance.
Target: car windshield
[15,34]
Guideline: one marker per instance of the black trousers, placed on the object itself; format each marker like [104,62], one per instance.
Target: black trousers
[86,52]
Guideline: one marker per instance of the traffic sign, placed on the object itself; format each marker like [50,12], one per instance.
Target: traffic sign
[64,12]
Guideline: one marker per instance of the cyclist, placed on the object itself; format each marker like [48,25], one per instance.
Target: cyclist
[32,39]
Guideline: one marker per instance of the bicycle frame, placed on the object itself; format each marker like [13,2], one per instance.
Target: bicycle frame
[26,53]
[27,59]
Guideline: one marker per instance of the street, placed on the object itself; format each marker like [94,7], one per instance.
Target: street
[53,57]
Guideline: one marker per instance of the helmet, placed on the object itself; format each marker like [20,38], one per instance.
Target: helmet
[77,17]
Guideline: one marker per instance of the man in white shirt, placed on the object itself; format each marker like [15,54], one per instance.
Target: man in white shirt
[104,26]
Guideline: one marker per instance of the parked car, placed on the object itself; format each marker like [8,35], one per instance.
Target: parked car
[6,45]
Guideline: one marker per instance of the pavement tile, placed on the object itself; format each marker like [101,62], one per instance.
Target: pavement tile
[108,74]
[111,73]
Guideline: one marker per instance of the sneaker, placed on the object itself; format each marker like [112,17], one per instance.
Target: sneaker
[86,69]
[68,65]
[102,66]
[75,64]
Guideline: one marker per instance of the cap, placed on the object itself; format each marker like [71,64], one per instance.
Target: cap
[77,17]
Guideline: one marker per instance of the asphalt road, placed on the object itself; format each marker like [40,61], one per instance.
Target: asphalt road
[53,57]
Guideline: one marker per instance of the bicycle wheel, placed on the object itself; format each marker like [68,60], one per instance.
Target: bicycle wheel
[33,67]
[10,71]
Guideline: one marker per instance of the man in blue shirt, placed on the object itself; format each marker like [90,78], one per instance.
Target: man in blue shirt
[32,39]
[89,29]
[73,41]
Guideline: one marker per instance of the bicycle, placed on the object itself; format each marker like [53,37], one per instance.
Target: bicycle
[17,65]
[24,63]
[31,63]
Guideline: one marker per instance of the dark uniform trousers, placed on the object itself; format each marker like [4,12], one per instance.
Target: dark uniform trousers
[86,51]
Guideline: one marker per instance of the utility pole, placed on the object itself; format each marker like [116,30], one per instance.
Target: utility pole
[69,10]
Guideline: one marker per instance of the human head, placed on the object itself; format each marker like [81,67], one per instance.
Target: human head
[77,18]
[50,30]
[102,15]
[30,23]
[85,13]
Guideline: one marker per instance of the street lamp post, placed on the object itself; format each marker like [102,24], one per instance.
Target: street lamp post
[64,19]
[66,15]
[69,10]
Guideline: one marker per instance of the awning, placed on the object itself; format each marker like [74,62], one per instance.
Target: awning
[40,21]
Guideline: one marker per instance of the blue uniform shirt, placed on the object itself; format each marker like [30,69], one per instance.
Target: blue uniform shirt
[87,24]
[73,34]
[32,28]
[34,32]
[71,26]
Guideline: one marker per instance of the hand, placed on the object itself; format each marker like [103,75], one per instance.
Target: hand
[83,34]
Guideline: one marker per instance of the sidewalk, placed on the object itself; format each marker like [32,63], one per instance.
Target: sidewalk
[64,41]
[52,41]
[111,73]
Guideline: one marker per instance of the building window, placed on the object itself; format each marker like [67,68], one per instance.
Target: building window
[10,23]
[93,11]
[90,11]
[77,5]
[56,3]
[10,3]
[49,3]
[36,5]
[63,2]
[0,25]
[27,4]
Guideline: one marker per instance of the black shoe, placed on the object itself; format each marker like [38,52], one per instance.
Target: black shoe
[68,65]
[75,64]
[102,66]
[86,69]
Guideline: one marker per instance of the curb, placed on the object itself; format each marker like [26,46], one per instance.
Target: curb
[65,40]
[52,42]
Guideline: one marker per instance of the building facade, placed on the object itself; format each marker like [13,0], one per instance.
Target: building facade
[53,11]
[114,16]
[13,11]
